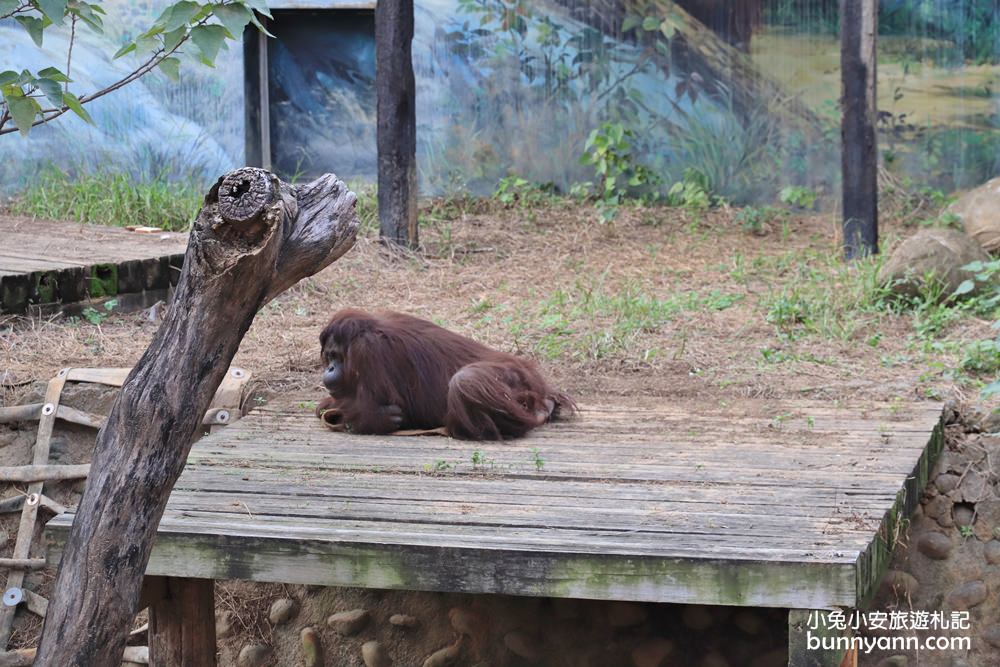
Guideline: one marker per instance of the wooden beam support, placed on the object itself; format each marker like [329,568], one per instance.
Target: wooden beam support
[397,123]
[182,624]
[858,30]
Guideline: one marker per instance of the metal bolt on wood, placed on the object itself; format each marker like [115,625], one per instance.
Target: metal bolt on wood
[13,596]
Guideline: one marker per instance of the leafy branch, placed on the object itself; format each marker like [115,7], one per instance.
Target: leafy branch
[206,26]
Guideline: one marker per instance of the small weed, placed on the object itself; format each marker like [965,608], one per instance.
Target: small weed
[756,220]
[798,196]
[514,190]
[691,193]
[773,355]
[609,151]
[95,316]
[307,405]
[966,531]
[536,458]
[439,466]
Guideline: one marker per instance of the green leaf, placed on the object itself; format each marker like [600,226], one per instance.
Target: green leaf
[8,77]
[54,9]
[631,22]
[208,39]
[172,39]
[52,90]
[258,5]
[668,29]
[234,17]
[55,74]
[7,7]
[179,14]
[34,26]
[991,389]
[260,26]
[70,100]
[89,14]
[128,48]
[171,67]
[966,287]
[650,23]
[23,111]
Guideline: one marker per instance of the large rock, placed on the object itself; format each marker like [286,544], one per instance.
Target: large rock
[940,253]
[979,210]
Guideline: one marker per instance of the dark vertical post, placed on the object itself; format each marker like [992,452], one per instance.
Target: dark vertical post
[251,99]
[858,29]
[397,122]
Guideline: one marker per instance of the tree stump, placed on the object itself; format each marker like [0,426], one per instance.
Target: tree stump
[254,238]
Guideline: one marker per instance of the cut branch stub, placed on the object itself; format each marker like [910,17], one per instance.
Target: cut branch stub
[244,193]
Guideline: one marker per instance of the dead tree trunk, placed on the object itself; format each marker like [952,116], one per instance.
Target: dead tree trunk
[397,122]
[254,238]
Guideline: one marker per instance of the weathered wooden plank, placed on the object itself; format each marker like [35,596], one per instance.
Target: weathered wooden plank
[729,492]
[476,569]
[29,511]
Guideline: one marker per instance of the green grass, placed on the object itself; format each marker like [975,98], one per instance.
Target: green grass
[594,322]
[110,199]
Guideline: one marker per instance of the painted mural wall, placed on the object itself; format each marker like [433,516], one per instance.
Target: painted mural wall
[741,96]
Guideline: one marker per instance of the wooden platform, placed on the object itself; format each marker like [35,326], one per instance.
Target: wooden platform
[45,263]
[753,503]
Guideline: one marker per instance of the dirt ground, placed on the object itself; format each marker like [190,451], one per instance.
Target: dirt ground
[659,304]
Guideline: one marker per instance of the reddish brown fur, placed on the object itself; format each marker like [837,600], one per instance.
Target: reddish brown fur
[433,377]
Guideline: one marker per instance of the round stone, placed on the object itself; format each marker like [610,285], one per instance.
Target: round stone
[963,514]
[312,648]
[967,595]
[749,622]
[404,621]
[697,617]
[992,552]
[991,635]
[254,655]
[626,614]
[443,657]
[281,611]
[225,624]
[901,584]
[374,655]
[523,646]
[651,652]
[348,623]
[934,545]
[946,482]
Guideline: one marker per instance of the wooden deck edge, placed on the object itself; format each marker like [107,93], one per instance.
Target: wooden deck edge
[874,561]
[49,290]
[492,571]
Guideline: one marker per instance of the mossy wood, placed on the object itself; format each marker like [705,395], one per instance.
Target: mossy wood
[254,238]
[80,263]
